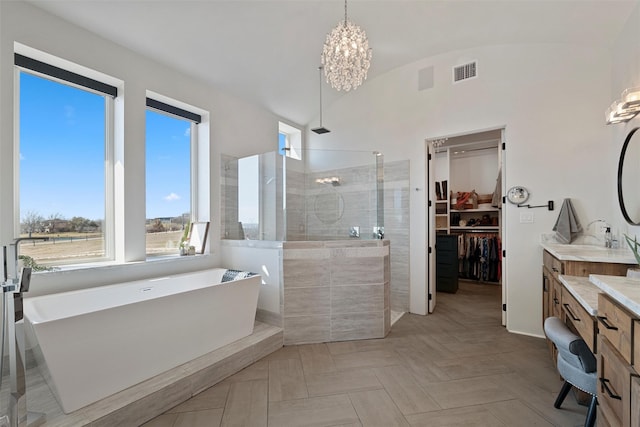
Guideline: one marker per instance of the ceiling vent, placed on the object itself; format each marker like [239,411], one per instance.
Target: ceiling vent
[464,72]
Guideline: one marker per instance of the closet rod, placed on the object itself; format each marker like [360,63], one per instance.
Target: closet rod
[443,149]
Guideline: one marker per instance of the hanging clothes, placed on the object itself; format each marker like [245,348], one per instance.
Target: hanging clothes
[480,257]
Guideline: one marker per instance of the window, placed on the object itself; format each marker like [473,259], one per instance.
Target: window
[171,135]
[289,141]
[62,180]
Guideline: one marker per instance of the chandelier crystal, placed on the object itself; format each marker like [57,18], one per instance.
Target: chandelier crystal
[346,56]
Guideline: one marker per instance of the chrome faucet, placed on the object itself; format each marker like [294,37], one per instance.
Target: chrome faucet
[12,288]
[608,242]
[15,255]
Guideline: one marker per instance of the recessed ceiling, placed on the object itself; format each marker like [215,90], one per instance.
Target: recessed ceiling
[268,52]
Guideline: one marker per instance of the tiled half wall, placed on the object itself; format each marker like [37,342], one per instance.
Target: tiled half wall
[336,290]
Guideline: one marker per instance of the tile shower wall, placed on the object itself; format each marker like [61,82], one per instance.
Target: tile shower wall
[357,188]
[358,191]
[336,290]
[231,228]
[357,207]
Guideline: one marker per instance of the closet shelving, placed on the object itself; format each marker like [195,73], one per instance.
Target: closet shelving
[466,214]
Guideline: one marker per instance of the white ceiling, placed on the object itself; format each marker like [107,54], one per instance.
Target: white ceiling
[268,52]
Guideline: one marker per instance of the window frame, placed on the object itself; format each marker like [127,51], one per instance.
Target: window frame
[153,103]
[293,141]
[25,64]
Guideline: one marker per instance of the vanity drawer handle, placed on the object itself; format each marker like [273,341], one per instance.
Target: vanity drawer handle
[603,320]
[555,301]
[604,383]
[555,270]
[568,309]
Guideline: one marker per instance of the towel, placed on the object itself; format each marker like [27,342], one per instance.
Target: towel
[567,224]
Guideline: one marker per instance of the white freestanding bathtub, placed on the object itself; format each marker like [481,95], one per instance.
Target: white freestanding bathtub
[96,342]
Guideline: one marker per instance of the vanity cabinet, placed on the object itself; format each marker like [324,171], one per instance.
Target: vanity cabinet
[552,288]
[582,321]
[619,351]
[614,384]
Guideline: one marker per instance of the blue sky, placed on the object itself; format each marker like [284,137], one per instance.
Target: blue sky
[62,161]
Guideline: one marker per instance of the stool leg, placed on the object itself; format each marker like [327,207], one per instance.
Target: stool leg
[591,413]
[563,393]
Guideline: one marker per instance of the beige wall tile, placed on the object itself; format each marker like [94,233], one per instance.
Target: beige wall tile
[303,273]
[357,299]
[355,271]
[357,326]
[306,302]
[306,329]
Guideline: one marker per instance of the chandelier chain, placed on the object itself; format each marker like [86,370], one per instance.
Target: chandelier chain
[345,12]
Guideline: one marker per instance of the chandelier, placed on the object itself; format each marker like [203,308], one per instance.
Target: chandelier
[346,55]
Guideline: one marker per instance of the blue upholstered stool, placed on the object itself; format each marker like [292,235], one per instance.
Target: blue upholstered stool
[576,364]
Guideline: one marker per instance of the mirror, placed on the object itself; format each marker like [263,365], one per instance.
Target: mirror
[198,236]
[329,206]
[629,178]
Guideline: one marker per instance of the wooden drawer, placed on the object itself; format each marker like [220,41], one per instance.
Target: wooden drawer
[553,264]
[614,384]
[581,320]
[583,268]
[615,323]
[635,402]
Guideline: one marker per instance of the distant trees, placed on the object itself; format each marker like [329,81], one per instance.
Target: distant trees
[32,222]
[53,219]
[156,227]
[79,223]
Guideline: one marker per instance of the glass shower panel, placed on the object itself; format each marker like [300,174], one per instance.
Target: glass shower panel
[327,195]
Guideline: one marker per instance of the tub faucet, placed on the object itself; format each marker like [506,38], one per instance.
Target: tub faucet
[12,288]
[14,247]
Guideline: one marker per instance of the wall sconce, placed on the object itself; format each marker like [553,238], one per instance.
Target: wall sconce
[625,108]
[334,180]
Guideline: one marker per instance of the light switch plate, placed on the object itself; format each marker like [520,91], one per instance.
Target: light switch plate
[526,218]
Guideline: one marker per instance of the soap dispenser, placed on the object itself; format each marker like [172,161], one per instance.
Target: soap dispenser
[607,238]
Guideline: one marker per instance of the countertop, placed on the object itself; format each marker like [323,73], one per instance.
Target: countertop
[590,253]
[584,291]
[624,290]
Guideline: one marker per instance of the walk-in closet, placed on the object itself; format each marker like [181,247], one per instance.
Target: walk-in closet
[465,209]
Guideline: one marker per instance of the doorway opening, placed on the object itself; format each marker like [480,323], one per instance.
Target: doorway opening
[465,218]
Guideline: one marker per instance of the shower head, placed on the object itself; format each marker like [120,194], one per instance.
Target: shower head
[320,130]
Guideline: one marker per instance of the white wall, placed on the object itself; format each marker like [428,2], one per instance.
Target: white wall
[625,74]
[551,100]
[264,258]
[236,128]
